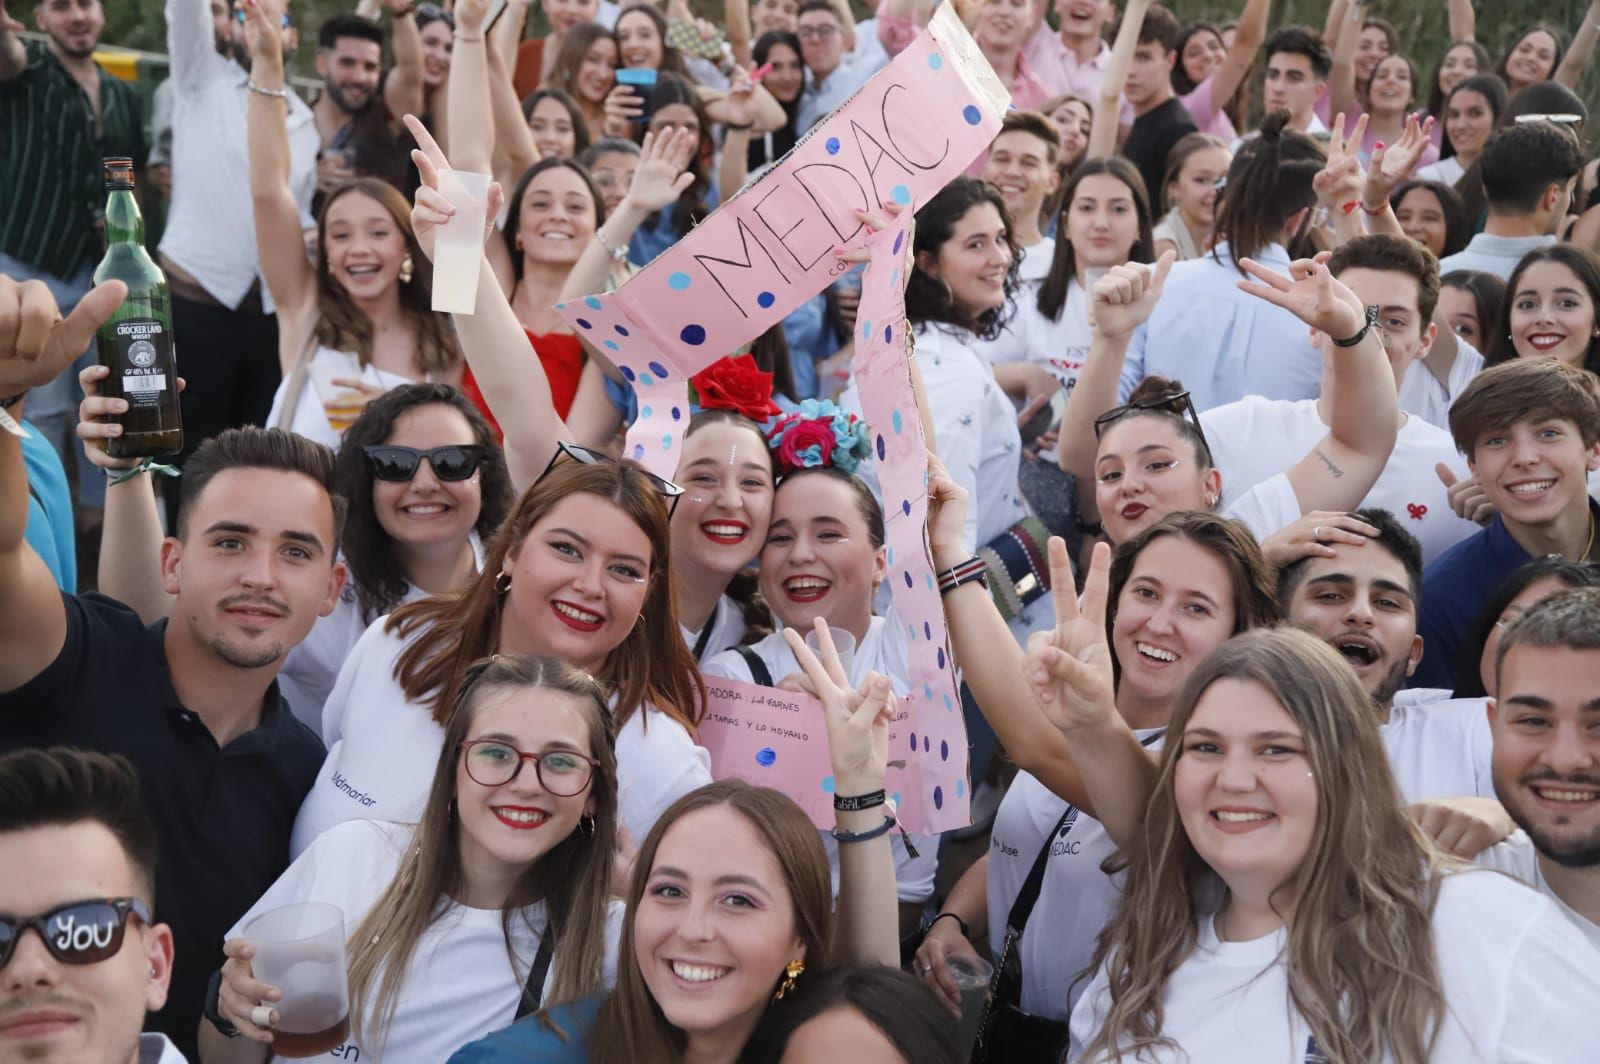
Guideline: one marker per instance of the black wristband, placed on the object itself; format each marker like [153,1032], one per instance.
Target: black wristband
[1371,320]
[859,802]
[965,933]
[213,1011]
[862,836]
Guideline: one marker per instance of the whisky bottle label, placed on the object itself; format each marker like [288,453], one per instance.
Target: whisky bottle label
[144,353]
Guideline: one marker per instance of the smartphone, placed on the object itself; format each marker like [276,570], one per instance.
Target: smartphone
[643,83]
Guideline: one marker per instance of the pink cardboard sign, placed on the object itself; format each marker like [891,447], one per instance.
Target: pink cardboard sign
[910,129]
[779,739]
[934,738]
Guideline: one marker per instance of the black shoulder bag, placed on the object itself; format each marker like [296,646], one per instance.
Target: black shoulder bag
[533,990]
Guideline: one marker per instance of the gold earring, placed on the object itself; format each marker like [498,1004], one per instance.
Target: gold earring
[502,582]
[407,270]
[790,973]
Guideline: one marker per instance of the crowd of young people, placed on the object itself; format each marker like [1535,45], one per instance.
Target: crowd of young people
[1280,349]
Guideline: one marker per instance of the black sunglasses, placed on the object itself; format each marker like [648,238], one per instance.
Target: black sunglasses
[83,932]
[434,13]
[1179,404]
[666,488]
[398,464]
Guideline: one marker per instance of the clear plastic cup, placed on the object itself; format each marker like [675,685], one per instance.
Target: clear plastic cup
[341,404]
[972,975]
[843,642]
[300,950]
[458,243]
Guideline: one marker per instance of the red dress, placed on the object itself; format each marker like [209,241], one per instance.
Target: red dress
[561,355]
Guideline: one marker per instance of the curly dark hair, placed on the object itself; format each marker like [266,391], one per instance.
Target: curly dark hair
[375,574]
[928,299]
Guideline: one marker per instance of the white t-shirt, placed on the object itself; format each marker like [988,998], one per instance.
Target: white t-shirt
[1517,857]
[1421,394]
[311,668]
[1445,171]
[1440,749]
[726,630]
[1520,982]
[1059,345]
[1035,261]
[1076,899]
[1254,438]
[460,984]
[310,420]
[881,651]
[1266,507]
[382,751]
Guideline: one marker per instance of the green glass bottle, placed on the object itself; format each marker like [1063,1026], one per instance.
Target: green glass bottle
[136,343]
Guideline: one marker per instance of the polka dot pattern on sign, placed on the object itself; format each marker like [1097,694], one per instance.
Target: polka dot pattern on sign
[678,282]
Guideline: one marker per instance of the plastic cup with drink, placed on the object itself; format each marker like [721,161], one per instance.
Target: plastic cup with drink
[300,950]
[341,403]
[458,243]
[971,974]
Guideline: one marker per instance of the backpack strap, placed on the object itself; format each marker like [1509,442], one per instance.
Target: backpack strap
[759,673]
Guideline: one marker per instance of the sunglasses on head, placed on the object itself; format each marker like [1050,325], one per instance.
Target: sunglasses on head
[392,462]
[665,488]
[433,12]
[1179,404]
[83,932]
[1560,120]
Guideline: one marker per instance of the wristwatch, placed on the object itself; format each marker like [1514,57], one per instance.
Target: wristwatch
[213,1012]
[1372,319]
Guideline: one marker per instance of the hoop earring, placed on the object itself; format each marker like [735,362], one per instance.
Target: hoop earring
[586,825]
[408,269]
[502,582]
[790,973]
[949,295]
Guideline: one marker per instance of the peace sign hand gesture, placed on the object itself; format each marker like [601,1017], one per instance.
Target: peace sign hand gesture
[1338,184]
[1310,293]
[1069,668]
[431,209]
[1393,164]
[858,718]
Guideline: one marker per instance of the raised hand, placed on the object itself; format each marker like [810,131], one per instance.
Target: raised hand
[662,173]
[1127,295]
[741,102]
[1392,164]
[947,514]
[1310,293]
[623,105]
[263,30]
[858,717]
[1467,497]
[7,23]
[36,344]
[431,209]
[1338,184]
[471,15]
[240,993]
[1069,667]
[875,222]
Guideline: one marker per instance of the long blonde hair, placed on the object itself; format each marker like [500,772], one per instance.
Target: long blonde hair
[1362,969]
[571,879]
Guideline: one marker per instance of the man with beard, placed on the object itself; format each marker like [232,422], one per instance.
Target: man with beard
[1546,726]
[222,314]
[192,702]
[60,115]
[359,136]
[1364,602]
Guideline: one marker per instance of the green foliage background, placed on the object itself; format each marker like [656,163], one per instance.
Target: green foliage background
[1422,24]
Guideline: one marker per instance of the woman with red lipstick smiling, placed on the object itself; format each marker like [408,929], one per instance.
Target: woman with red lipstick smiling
[729,909]
[578,571]
[499,891]
[823,560]
[1279,904]
[1550,309]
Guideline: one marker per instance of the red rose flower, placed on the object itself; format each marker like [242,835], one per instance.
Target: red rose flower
[735,383]
[800,437]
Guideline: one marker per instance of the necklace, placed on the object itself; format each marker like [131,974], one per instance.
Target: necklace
[1587,547]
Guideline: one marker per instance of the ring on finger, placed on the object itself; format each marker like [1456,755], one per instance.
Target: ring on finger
[926,968]
[261,1015]
[1316,533]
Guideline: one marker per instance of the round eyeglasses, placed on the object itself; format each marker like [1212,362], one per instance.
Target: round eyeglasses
[492,763]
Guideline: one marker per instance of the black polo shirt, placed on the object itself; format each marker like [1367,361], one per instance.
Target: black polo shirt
[222,815]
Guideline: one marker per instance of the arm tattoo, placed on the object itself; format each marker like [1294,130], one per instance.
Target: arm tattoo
[1333,470]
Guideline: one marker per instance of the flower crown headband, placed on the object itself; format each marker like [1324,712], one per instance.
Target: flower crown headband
[817,435]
